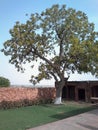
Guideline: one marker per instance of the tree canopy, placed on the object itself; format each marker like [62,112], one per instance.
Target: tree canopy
[61,38]
[4,82]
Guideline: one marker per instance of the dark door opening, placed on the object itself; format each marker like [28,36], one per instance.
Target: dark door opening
[64,93]
[71,93]
[95,91]
[68,93]
[81,94]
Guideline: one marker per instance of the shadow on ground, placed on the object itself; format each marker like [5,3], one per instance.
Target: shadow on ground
[88,126]
[62,115]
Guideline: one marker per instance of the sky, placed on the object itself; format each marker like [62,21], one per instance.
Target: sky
[16,10]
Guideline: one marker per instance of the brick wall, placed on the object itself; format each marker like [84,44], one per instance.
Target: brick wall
[15,94]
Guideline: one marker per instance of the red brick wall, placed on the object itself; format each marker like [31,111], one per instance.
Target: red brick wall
[15,94]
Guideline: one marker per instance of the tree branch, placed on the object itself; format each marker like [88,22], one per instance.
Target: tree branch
[55,77]
[44,58]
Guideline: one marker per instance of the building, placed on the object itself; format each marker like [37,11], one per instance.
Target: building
[80,90]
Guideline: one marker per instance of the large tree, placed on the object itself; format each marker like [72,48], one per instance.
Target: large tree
[61,38]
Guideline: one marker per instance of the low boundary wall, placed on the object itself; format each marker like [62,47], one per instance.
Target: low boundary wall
[21,93]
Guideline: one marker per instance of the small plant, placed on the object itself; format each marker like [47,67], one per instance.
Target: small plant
[4,82]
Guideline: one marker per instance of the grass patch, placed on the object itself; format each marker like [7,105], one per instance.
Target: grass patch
[27,117]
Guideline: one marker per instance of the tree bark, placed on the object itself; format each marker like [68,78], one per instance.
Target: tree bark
[59,86]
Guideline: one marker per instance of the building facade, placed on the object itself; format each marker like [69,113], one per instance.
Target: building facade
[80,90]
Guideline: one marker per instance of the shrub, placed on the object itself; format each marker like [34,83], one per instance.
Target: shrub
[4,82]
[23,103]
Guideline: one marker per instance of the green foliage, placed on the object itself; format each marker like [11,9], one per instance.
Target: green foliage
[4,82]
[23,103]
[62,38]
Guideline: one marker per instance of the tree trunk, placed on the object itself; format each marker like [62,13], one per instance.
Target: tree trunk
[59,86]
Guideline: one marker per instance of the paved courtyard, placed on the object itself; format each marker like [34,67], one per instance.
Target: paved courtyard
[85,121]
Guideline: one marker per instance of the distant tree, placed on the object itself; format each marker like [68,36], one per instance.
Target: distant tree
[62,39]
[4,82]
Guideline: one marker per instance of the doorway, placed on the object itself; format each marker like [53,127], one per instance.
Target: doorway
[81,94]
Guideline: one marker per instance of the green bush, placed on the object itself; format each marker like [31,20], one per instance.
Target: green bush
[4,82]
[23,103]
